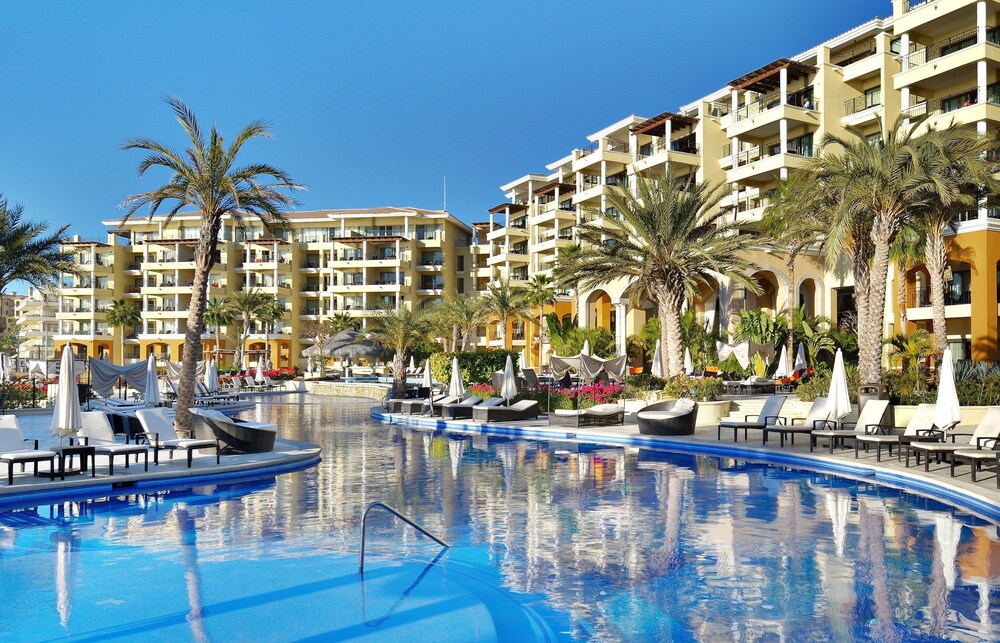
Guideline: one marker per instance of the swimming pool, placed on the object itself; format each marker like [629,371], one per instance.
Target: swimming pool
[552,541]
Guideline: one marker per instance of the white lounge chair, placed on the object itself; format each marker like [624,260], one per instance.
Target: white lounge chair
[12,449]
[871,415]
[769,412]
[920,427]
[158,429]
[815,419]
[463,410]
[983,438]
[96,432]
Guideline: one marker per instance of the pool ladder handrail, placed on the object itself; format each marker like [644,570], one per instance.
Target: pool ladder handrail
[381,505]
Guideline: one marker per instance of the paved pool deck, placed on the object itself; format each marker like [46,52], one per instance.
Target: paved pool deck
[981,497]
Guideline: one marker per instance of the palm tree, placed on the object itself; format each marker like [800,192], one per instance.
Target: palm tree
[959,162]
[341,321]
[27,253]
[467,314]
[568,279]
[503,303]
[123,314]
[792,226]
[911,349]
[906,252]
[206,177]
[540,293]
[399,329]
[247,305]
[270,313]
[674,240]
[218,313]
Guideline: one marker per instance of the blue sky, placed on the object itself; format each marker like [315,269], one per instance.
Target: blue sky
[371,103]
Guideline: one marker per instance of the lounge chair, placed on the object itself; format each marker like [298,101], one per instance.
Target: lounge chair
[814,419]
[530,378]
[599,415]
[250,385]
[237,436]
[986,434]
[673,417]
[12,449]
[769,413]
[414,407]
[271,385]
[987,451]
[159,432]
[458,411]
[96,432]
[872,414]
[920,427]
[468,402]
[523,410]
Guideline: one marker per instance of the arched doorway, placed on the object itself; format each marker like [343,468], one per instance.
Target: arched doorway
[600,311]
[767,298]
[807,297]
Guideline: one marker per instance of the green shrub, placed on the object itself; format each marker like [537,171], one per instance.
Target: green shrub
[907,387]
[476,366]
[699,389]
[819,385]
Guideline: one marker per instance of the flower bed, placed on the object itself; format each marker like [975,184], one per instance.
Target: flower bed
[551,398]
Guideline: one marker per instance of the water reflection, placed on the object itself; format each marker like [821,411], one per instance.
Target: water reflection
[633,544]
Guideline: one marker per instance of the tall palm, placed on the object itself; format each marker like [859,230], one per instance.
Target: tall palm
[342,321]
[467,313]
[27,253]
[567,279]
[540,293]
[959,162]
[247,306]
[905,253]
[218,313]
[270,313]
[400,330]
[792,225]
[206,177]
[503,303]
[674,240]
[874,190]
[123,314]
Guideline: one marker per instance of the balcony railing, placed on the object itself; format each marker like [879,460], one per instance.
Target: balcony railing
[609,145]
[845,58]
[950,45]
[921,298]
[862,103]
[802,98]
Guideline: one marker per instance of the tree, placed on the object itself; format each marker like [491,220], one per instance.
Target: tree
[320,333]
[123,314]
[503,303]
[467,313]
[27,253]
[218,313]
[560,333]
[206,177]
[792,225]
[248,306]
[342,321]
[568,279]
[400,330]
[540,293]
[906,252]
[270,313]
[911,349]
[674,239]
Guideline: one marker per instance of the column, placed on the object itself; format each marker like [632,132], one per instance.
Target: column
[984,293]
[621,334]
[981,21]
[783,134]
[783,85]
[904,50]
[981,80]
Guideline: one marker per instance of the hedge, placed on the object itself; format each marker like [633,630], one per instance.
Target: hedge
[475,366]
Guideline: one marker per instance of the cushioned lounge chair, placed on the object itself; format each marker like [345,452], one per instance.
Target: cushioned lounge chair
[530,378]
[873,413]
[415,407]
[236,436]
[987,451]
[673,417]
[523,410]
[920,427]
[96,432]
[12,449]
[460,410]
[599,415]
[159,432]
[985,434]
[469,402]
[814,419]
[769,412]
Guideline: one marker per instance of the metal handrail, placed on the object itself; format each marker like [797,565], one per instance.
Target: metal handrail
[381,505]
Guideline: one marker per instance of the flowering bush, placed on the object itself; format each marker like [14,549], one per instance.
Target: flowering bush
[699,389]
[550,398]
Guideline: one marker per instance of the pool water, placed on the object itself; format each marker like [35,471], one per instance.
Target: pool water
[552,541]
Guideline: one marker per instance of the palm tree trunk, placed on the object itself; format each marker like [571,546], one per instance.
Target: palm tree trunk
[465,340]
[671,339]
[901,296]
[502,331]
[935,258]
[121,346]
[870,334]
[192,335]
[455,334]
[790,314]
[217,331]
[541,336]
[398,374]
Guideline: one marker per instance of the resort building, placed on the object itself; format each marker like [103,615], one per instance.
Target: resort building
[939,59]
[326,262]
[37,326]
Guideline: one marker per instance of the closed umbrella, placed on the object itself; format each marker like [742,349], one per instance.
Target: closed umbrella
[259,376]
[838,400]
[413,367]
[688,366]
[212,377]
[455,387]
[66,419]
[782,370]
[428,382]
[508,388]
[657,367]
[152,392]
[947,411]
[800,358]
[586,347]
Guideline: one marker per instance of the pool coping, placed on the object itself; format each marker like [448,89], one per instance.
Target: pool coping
[957,493]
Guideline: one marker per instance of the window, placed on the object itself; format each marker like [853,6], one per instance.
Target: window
[873,97]
[461,285]
[896,46]
[461,263]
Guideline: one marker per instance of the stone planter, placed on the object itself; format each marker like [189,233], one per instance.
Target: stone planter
[711,413]
[971,415]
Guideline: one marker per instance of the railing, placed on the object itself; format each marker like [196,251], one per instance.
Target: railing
[923,108]
[921,298]
[862,103]
[801,99]
[950,45]
[845,58]
[609,145]
[590,181]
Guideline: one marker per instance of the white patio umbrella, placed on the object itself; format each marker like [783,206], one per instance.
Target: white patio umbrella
[782,370]
[657,368]
[428,382]
[152,393]
[800,358]
[259,376]
[508,388]
[688,366]
[586,347]
[838,400]
[212,377]
[456,387]
[66,419]
[413,367]
[947,410]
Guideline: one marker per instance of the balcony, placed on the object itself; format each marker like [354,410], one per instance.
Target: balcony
[605,150]
[938,65]
[762,117]
[755,162]
[921,298]
[845,58]
[961,107]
